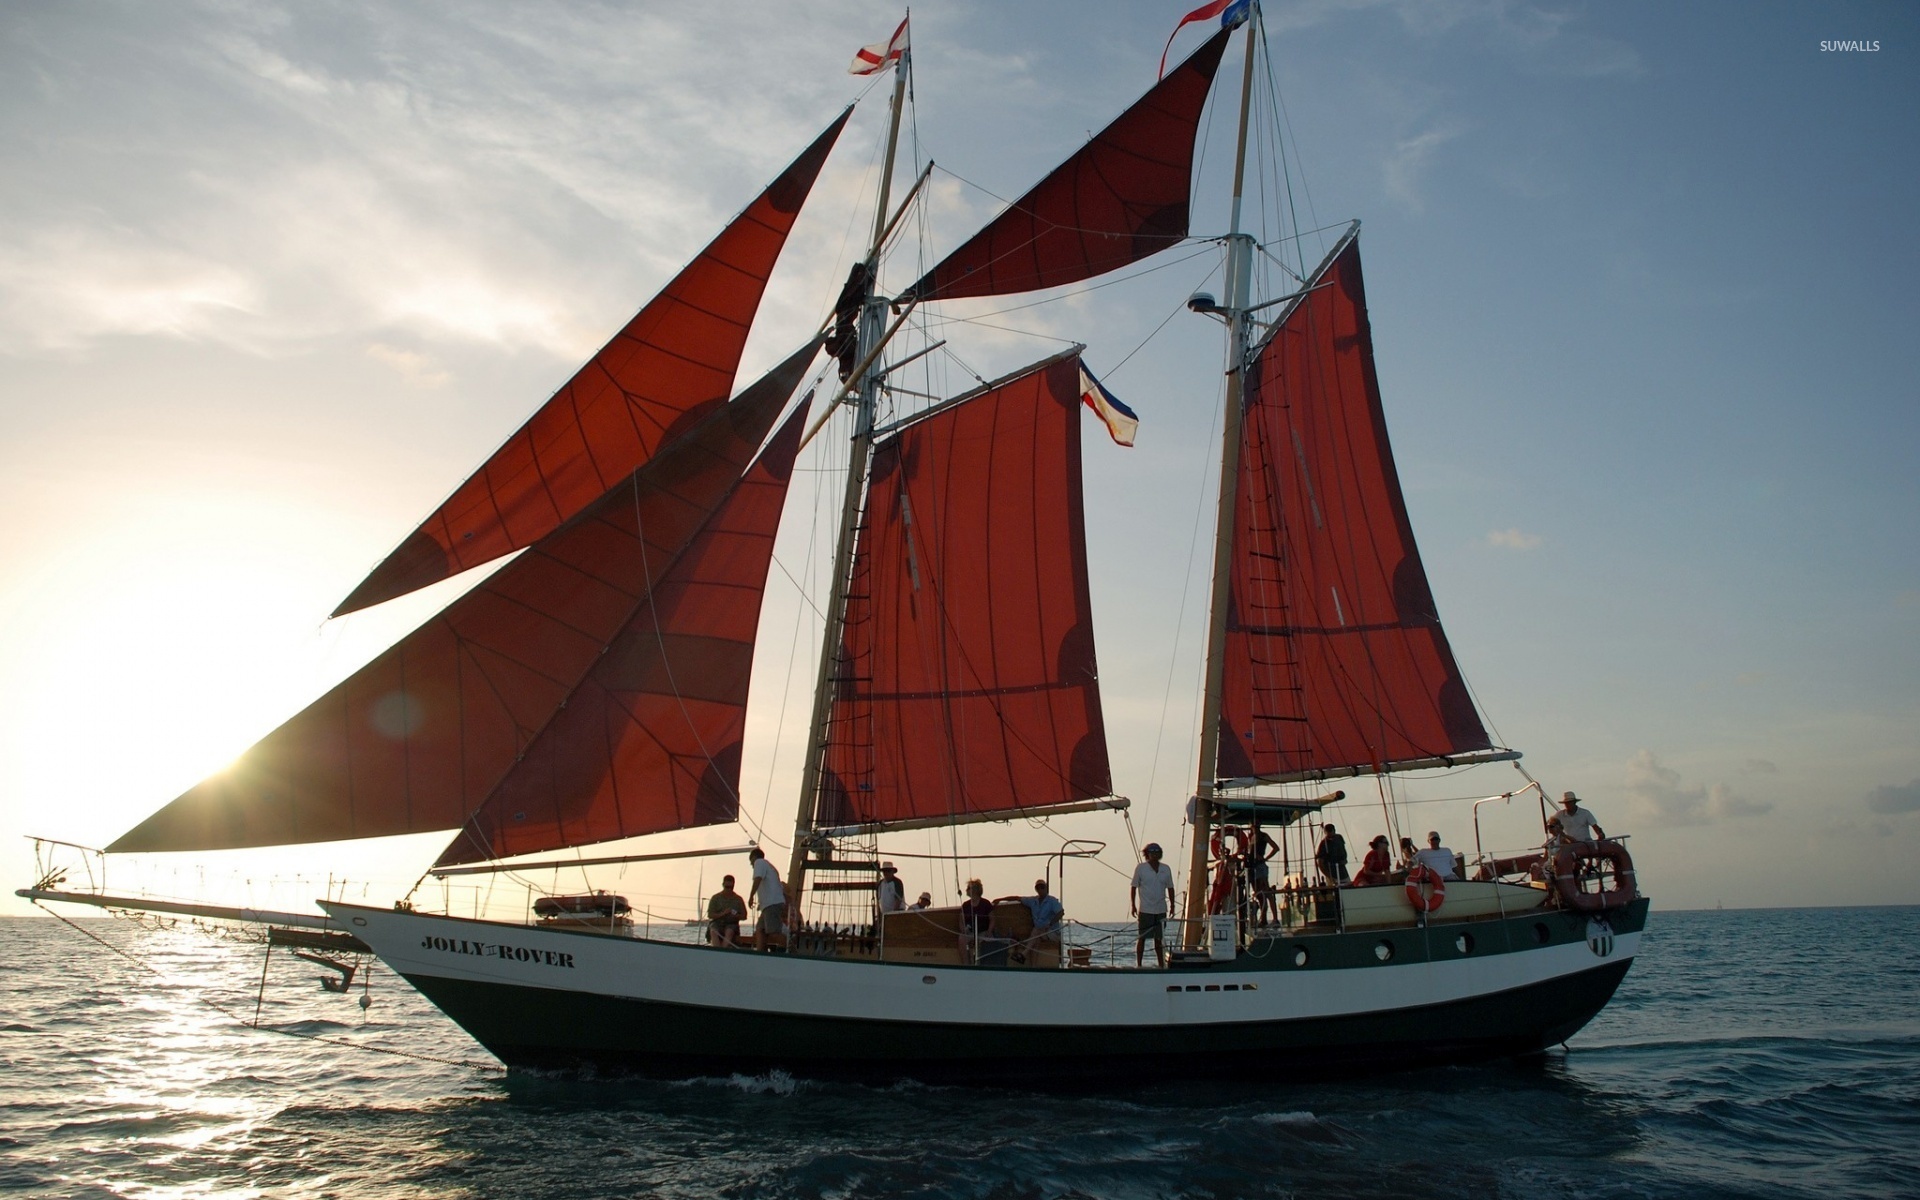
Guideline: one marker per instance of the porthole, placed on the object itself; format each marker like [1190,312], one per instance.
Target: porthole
[1383,950]
[1300,957]
[929,979]
[1213,987]
[1464,943]
[1541,933]
[1193,987]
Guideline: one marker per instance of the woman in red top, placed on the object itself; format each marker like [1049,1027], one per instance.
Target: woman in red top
[1375,867]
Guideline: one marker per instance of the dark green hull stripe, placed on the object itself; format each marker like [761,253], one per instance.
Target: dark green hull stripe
[546,1029]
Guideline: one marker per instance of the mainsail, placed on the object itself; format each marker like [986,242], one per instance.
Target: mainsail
[418,738]
[1334,657]
[1121,197]
[651,740]
[671,364]
[966,684]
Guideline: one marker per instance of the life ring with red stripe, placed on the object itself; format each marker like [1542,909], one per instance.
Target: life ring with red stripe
[1229,841]
[1431,899]
[1567,874]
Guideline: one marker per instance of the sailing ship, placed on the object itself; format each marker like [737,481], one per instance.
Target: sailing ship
[595,688]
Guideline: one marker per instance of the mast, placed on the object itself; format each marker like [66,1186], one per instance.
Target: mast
[864,397]
[1239,269]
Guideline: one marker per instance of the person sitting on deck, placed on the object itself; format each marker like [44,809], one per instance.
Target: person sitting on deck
[1375,868]
[1437,858]
[922,904]
[1408,854]
[1048,913]
[725,911]
[1331,857]
[1577,822]
[976,920]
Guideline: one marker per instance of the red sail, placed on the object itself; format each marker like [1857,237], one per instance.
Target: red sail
[671,364]
[418,738]
[1122,197]
[967,681]
[1334,656]
[651,739]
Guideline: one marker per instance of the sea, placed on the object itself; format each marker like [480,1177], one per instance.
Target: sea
[1769,1054]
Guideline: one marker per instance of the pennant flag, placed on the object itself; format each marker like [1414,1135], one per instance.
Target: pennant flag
[1232,14]
[1119,418]
[876,58]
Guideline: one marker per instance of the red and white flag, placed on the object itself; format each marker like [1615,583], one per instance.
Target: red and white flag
[876,58]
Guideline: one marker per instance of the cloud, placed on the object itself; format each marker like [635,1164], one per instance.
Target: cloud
[1403,171]
[1514,539]
[1762,766]
[420,370]
[1890,799]
[1656,796]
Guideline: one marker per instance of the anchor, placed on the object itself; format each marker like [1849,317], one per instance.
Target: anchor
[338,986]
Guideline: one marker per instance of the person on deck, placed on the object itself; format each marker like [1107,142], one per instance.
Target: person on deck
[922,904]
[1147,897]
[1408,854]
[1331,856]
[893,893]
[1576,822]
[1260,877]
[725,911]
[771,898]
[1437,858]
[1376,867]
[976,921]
[1048,913]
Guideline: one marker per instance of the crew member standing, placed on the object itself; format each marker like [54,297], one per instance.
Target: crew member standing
[767,893]
[1576,822]
[1147,897]
[1331,856]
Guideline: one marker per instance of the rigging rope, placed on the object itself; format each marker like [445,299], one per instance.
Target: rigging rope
[224,1011]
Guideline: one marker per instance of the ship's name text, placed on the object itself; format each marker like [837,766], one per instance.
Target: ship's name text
[551,958]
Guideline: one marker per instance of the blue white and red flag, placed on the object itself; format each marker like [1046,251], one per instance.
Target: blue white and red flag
[1231,13]
[1119,419]
[871,60]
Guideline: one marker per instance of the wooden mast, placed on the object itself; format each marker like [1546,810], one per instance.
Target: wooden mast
[864,395]
[1239,268]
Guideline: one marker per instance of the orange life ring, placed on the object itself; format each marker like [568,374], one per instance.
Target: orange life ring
[1222,890]
[1566,877]
[1431,900]
[1225,835]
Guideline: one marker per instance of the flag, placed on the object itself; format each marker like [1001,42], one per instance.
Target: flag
[1232,13]
[876,58]
[1119,418]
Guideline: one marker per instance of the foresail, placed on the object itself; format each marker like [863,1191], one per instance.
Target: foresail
[1335,658]
[967,682]
[418,738]
[651,740]
[1120,198]
[670,365]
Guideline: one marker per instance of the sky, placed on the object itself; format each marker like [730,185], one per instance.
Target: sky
[275,277]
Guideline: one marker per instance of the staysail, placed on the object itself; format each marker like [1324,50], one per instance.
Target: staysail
[1335,658]
[966,684]
[651,739]
[418,738]
[1120,198]
[654,381]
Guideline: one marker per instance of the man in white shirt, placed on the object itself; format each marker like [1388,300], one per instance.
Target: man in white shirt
[770,896]
[1148,898]
[1436,858]
[1576,822]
